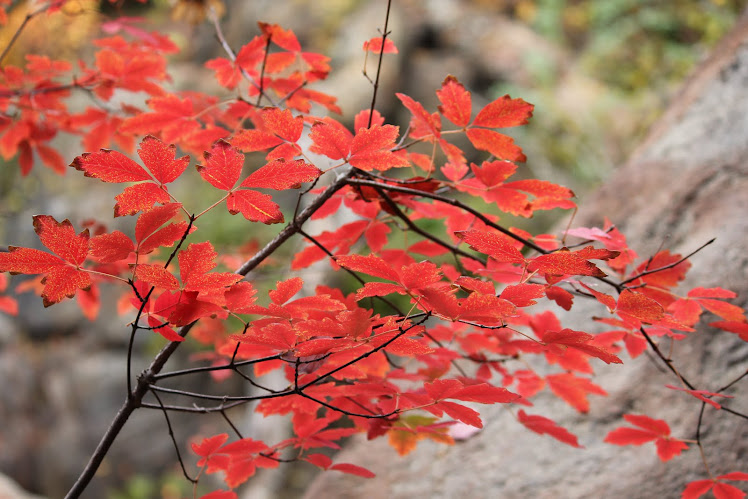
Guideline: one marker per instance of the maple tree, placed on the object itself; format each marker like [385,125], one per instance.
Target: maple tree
[439,318]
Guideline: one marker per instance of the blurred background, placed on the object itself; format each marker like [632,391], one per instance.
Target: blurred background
[599,73]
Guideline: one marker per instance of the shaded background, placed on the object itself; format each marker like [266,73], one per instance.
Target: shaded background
[599,73]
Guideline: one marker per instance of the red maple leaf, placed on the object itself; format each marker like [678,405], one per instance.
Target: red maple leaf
[573,389]
[442,389]
[110,248]
[370,149]
[7,304]
[456,102]
[501,113]
[423,124]
[279,128]
[243,457]
[409,278]
[639,306]
[207,450]
[658,283]
[112,166]
[688,310]
[702,395]
[545,426]
[151,233]
[375,45]
[580,341]
[648,430]
[222,168]
[738,327]
[721,490]
[498,246]
[519,197]
[63,275]
[563,263]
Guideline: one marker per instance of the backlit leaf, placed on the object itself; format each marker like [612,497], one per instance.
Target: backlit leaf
[223,166]
[500,145]
[110,248]
[504,112]
[254,206]
[574,389]
[159,158]
[497,246]
[375,45]
[456,103]
[639,306]
[564,263]
[110,166]
[281,175]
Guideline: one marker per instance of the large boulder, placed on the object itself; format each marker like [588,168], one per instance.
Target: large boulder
[687,183]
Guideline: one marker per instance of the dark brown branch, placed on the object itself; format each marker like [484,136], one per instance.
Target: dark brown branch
[214,368]
[412,226]
[362,356]
[173,439]
[294,225]
[348,413]
[668,363]
[205,396]
[350,272]
[135,396]
[666,267]
[480,216]
[132,402]
[385,33]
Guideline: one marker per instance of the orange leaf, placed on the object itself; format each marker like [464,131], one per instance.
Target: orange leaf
[371,148]
[579,341]
[504,112]
[223,166]
[375,45]
[636,305]
[63,276]
[500,145]
[156,275]
[110,166]
[573,389]
[281,175]
[456,103]
[255,206]
[564,263]
[497,246]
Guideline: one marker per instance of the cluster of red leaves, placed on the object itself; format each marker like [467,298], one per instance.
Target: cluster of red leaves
[419,338]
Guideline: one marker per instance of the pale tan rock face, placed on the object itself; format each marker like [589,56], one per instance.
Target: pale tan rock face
[686,184]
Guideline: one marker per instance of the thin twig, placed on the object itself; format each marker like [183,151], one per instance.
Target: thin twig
[25,22]
[385,33]
[670,266]
[173,439]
